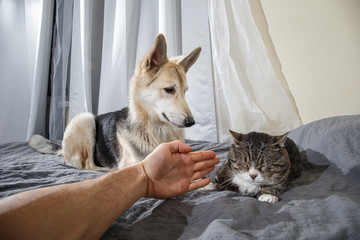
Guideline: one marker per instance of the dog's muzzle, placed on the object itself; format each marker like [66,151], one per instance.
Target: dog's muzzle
[188,121]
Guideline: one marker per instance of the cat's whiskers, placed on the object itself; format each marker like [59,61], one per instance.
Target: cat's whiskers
[225,183]
[259,162]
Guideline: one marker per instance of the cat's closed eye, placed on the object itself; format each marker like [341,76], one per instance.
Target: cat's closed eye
[279,165]
[262,169]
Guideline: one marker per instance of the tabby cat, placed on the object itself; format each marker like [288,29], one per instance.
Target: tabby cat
[259,165]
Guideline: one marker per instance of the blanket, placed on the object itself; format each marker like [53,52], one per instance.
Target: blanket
[324,203]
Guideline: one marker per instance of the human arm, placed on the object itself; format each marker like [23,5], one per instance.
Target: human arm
[86,209]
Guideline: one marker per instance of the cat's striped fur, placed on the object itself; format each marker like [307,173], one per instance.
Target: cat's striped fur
[259,165]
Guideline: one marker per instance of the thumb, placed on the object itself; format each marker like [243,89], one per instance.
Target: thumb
[179,147]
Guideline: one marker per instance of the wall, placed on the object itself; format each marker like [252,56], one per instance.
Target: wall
[318,45]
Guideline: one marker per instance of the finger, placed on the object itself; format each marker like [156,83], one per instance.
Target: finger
[183,148]
[202,155]
[179,147]
[199,184]
[200,174]
[205,164]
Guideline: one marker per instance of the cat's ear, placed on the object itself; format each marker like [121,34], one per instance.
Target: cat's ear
[237,136]
[281,140]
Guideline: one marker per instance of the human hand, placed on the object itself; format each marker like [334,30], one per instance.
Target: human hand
[172,169]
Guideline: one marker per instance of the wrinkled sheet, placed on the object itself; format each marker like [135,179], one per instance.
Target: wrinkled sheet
[324,203]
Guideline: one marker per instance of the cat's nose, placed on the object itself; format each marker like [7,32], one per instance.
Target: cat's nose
[253,176]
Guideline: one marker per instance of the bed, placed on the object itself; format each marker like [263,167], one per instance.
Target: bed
[324,203]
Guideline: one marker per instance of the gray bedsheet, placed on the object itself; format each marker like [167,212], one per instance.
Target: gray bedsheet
[324,203]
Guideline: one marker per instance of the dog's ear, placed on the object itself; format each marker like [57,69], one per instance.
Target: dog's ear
[190,59]
[157,55]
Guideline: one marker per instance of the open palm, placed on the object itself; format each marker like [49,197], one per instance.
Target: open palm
[172,169]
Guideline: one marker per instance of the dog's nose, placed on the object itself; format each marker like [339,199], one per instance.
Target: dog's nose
[189,121]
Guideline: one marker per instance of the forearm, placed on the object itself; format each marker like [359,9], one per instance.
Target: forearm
[79,210]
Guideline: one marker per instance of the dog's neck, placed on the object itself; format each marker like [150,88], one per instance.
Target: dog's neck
[151,126]
[138,114]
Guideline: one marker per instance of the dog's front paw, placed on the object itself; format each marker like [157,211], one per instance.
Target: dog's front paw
[268,198]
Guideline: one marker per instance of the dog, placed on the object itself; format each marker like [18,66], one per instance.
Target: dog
[157,113]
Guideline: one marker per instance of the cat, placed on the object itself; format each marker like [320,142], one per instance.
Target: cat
[259,165]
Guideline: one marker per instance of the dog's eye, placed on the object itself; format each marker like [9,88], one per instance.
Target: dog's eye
[169,90]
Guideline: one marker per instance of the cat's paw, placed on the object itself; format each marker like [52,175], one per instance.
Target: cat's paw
[210,186]
[268,198]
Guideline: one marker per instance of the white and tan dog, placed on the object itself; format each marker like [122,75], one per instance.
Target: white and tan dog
[157,113]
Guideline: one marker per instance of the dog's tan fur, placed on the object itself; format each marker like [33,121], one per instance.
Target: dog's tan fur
[154,115]
[79,141]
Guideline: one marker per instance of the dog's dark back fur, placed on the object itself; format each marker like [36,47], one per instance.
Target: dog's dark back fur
[107,150]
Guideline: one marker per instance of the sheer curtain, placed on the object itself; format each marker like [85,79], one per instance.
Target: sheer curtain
[249,96]
[60,65]
[25,40]
[96,45]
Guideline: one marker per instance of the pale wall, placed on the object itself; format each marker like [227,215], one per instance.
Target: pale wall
[318,46]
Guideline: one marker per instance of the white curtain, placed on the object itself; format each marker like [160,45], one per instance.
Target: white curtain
[96,45]
[25,40]
[60,65]
[249,96]
[200,97]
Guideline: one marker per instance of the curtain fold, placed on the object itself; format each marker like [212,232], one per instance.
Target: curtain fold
[119,50]
[39,78]
[80,78]
[249,96]
[25,43]
[200,96]
[60,65]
